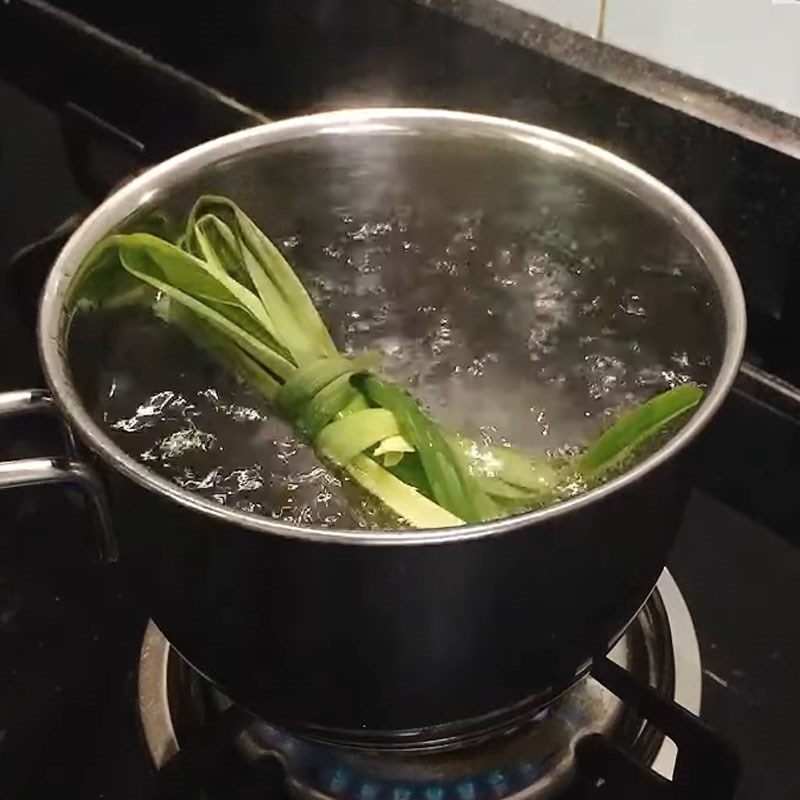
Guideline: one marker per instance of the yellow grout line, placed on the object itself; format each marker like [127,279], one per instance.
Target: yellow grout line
[601,21]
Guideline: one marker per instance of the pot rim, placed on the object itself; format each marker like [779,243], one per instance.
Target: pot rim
[125,201]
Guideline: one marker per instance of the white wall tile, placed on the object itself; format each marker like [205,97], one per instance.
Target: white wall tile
[749,46]
[579,15]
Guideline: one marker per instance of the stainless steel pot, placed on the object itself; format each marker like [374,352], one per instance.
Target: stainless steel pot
[416,636]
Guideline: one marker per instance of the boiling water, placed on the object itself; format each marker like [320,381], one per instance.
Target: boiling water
[534,342]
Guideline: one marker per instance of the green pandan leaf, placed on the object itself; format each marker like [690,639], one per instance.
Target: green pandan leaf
[400,497]
[272,276]
[345,438]
[135,259]
[536,476]
[308,381]
[635,427]
[452,485]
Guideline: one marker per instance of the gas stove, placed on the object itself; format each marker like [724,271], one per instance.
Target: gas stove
[528,762]
[94,702]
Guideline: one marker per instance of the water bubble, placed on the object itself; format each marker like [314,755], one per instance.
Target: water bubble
[633,306]
[681,359]
[148,413]
[334,250]
[180,442]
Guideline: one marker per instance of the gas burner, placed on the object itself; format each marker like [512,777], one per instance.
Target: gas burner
[536,760]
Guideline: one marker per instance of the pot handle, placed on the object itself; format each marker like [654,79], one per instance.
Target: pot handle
[64,469]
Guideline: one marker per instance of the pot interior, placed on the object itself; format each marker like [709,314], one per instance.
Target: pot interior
[523,288]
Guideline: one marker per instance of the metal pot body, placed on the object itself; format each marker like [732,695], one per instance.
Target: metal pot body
[411,637]
[398,645]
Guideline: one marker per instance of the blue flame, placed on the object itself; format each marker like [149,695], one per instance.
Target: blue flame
[320,767]
[369,791]
[339,780]
[497,780]
[465,790]
[434,792]
[401,793]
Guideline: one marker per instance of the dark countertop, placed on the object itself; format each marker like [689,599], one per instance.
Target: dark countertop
[705,101]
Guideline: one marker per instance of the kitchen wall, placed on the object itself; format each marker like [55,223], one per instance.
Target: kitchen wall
[749,46]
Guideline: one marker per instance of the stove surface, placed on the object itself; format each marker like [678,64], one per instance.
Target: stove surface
[71,631]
